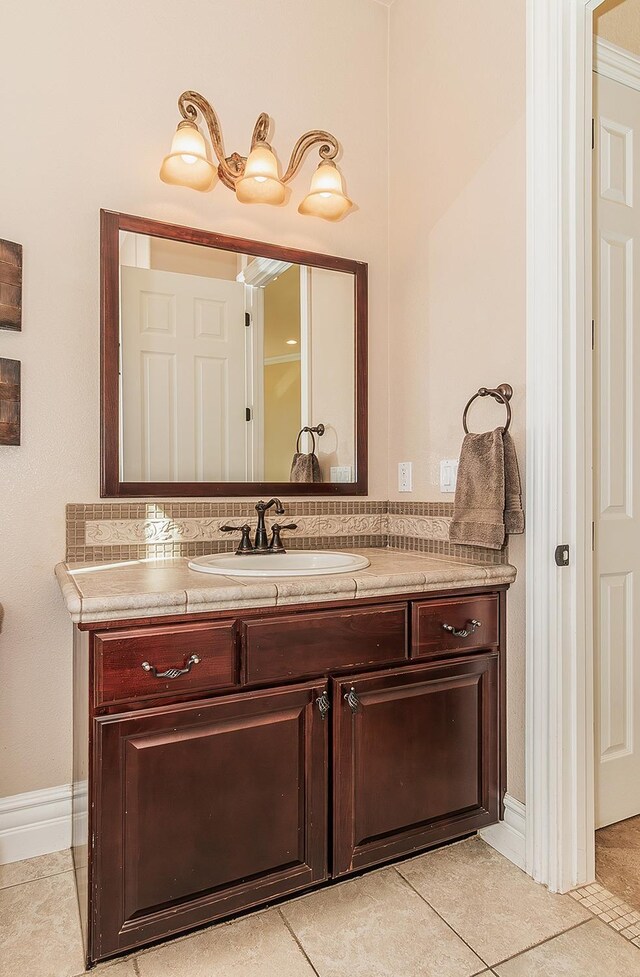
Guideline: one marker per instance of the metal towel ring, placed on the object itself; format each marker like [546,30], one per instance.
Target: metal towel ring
[318,429]
[502,394]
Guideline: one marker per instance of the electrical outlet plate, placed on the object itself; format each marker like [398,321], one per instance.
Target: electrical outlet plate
[405,476]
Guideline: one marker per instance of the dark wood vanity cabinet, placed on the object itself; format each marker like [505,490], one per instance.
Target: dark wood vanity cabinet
[206,808]
[246,778]
[416,758]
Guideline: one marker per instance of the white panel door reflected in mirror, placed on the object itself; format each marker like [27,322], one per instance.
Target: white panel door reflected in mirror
[224,358]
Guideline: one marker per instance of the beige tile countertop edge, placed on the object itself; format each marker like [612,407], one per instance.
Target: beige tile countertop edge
[136,589]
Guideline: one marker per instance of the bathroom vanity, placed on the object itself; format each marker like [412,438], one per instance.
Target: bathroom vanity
[240,740]
[235,743]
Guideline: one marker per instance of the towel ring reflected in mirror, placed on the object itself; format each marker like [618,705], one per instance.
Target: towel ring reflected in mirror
[319,429]
[503,394]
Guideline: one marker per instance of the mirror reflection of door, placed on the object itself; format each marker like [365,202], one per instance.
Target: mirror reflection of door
[225,357]
[182,363]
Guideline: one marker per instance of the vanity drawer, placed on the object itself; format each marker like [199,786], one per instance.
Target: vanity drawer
[430,637]
[119,657]
[312,644]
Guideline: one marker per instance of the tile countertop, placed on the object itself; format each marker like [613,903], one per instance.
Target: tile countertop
[152,588]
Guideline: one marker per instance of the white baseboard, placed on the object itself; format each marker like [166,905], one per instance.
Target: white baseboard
[40,822]
[507,836]
[36,823]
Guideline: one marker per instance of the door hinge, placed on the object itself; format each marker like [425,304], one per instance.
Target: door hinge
[593,334]
[593,133]
[562,555]
[593,537]
[247,413]
[247,319]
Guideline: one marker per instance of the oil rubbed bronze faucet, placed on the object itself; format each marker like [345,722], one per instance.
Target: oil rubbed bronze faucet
[261,544]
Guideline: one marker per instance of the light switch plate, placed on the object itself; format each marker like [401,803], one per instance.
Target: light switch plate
[448,474]
[405,476]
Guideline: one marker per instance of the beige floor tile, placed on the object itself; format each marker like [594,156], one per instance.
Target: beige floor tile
[618,859]
[35,868]
[591,950]
[376,926]
[40,929]
[496,908]
[119,968]
[260,946]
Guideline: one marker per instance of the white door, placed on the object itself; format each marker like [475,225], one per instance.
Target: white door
[183,377]
[617,449]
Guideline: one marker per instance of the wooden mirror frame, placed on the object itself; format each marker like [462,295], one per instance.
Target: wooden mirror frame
[111,223]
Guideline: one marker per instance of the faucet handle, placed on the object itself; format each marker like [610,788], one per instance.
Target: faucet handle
[245,545]
[276,543]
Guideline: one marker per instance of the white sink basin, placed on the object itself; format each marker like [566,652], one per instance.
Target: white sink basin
[303,563]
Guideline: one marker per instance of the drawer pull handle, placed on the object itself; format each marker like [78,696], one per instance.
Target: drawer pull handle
[172,672]
[352,700]
[463,632]
[323,703]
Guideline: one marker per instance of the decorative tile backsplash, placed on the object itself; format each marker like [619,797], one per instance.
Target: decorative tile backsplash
[116,532]
[127,531]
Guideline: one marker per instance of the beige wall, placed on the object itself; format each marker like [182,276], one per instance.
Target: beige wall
[191,259]
[89,101]
[282,381]
[457,250]
[332,368]
[618,21]
[89,106]
[281,418]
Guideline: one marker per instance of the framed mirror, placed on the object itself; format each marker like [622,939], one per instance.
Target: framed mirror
[229,367]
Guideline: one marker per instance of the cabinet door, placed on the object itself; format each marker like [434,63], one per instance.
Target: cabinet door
[416,758]
[206,809]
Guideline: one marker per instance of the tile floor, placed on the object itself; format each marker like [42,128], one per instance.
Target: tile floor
[618,860]
[455,912]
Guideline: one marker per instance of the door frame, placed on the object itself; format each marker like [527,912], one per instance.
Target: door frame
[560,757]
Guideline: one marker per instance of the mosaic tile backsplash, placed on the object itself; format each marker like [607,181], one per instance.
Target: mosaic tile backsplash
[130,531]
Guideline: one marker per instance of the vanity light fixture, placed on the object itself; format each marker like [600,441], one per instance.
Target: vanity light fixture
[255,179]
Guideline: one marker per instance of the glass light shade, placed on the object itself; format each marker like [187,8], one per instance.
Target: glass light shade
[260,182]
[187,164]
[326,197]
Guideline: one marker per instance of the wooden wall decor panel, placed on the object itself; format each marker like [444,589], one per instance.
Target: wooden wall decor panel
[9,401]
[10,285]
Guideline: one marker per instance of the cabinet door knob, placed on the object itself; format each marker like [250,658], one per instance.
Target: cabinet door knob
[323,703]
[172,672]
[463,632]
[352,700]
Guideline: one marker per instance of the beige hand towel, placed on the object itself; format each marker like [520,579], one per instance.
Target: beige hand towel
[305,468]
[488,497]
[513,512]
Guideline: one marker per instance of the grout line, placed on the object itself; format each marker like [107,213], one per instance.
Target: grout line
[485,965]
[299,944]
[104,966]
[500,962]
[39,878]
[548,939]
[597,904]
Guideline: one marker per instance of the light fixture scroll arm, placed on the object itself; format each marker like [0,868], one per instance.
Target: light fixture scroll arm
[260,135]
[229,167]
[329,148]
